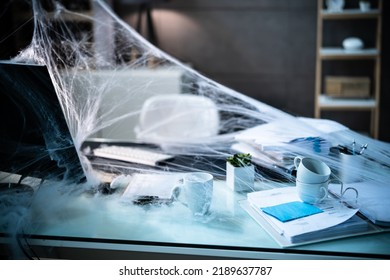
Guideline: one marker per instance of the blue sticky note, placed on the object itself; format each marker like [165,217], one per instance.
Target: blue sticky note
[292,210]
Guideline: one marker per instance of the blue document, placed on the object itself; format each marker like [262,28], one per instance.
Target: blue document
[292,210]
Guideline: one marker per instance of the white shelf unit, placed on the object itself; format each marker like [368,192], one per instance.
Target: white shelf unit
[326,103]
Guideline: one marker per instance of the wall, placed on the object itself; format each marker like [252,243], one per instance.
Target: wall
[251,46]
[263,48]
[385,81]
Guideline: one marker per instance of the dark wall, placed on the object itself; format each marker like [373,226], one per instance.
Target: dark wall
[263,48]
[384,132]
[7,42]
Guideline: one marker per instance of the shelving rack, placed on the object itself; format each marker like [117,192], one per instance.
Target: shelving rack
[325,53]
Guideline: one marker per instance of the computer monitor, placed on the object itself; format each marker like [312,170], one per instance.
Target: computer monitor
[34,136]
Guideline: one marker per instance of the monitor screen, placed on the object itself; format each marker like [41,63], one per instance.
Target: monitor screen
[34,136]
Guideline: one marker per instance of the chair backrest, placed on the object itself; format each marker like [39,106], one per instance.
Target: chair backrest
[173,117]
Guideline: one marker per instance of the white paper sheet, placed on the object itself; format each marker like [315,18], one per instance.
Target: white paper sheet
[275,134]
[334,212]
[159,186]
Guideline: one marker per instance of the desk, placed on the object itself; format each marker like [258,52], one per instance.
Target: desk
[102,227]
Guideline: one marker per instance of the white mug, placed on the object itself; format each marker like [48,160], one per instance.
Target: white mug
[314,193]
[311,171]
[198,192]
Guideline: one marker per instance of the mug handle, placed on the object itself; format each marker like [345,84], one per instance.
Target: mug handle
[177,190]
[325,190]
[176,197]
[297,161]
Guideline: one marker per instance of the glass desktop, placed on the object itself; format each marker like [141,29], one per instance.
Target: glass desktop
[91,226]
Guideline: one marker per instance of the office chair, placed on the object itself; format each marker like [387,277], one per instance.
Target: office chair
[177,118]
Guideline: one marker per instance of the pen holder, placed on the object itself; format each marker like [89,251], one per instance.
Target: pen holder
[351,167]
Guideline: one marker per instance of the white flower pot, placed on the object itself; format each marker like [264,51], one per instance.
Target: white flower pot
[240,179]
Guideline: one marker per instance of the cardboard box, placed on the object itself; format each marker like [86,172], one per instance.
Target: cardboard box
[347,87]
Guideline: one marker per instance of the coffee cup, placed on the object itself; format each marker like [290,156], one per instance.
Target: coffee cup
[314,193]
[197,189]
[311,171]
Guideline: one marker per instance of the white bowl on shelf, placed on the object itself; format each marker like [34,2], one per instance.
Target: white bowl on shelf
[353,44]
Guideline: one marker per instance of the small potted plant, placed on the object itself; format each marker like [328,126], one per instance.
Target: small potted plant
[240,172]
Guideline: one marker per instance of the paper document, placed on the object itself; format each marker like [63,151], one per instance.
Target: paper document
[274,135]
[289,211]
[334,212]
[157,187]
[324,125]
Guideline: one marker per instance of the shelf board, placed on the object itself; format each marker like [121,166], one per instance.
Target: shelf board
[350,14]
[326,102]
[340,53]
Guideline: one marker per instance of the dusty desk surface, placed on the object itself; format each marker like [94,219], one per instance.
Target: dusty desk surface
[103,226]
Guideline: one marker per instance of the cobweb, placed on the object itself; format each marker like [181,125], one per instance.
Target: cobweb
[116,88]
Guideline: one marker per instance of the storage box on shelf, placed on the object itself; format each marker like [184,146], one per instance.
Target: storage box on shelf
[353,87]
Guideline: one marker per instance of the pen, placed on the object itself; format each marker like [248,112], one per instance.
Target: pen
[363,148]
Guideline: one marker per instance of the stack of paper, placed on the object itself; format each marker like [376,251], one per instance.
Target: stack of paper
[335,219]
[270,144]
[273,135]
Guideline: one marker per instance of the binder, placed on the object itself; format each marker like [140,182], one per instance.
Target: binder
[352,225]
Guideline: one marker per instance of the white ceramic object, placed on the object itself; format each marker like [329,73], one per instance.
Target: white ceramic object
[353,44]
[364,6]
[240,179]
[335,5]
[312,193]
[311,171]
[198,191]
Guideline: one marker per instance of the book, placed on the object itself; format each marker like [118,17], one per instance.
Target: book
[336,220]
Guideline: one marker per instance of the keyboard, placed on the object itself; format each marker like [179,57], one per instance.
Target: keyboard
[132,154]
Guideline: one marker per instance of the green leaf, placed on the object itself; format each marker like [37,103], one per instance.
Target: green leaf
[240,160]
